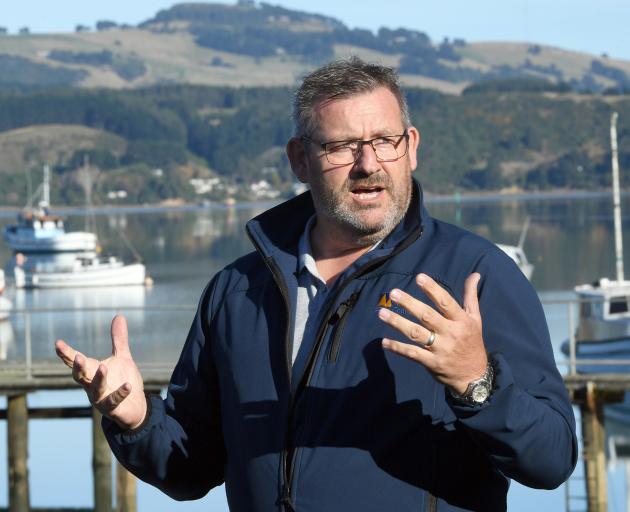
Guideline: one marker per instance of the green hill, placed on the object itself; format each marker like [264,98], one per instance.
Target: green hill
[250,44]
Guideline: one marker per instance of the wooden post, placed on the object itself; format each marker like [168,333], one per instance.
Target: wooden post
[592,401]
[125,490]
[101,466]
[17,416]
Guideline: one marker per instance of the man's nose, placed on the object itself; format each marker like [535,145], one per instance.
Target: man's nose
[367,161]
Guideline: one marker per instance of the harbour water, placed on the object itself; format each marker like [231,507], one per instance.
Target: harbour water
[569,241]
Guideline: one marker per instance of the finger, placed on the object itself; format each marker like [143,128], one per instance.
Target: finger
[65,352]
[98,387]
[79,370]
[120,338]
[114,399]
[413,331]
[429,317]
[413,352]
[471,301]
[443,300]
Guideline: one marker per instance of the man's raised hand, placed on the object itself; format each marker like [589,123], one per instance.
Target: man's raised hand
[448,341]
[114,386]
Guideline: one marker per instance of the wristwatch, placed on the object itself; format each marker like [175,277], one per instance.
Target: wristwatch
[478,391]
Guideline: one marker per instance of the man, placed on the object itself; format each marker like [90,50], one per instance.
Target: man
[364,357]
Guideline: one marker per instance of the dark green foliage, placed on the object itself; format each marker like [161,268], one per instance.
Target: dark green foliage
[18,70]
[516,85]
[616,74]
[499,134]
[105,25]
[103,58]
[155,153]
[128,68]
[120,113]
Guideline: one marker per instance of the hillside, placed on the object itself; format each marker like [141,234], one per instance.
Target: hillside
[150,143]
[250,44]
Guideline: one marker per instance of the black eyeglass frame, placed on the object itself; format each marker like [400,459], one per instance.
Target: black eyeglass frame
[360,144]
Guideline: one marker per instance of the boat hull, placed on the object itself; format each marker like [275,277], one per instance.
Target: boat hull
[123,275]
[73,241]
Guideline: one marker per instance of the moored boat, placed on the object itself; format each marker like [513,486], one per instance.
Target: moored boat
[85,272]
[605,304]
[517,253]
[5,304]
[37,230]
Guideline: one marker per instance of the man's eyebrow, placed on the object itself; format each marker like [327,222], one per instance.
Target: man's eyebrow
[375,135]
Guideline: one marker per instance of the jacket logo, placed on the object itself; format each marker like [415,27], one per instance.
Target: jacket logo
[386,302]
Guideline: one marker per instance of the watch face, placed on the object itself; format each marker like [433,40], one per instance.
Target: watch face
[480,393]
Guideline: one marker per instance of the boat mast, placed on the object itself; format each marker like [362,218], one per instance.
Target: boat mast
[45,200]
[616,198]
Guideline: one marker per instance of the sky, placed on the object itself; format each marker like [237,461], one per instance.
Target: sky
[592,26]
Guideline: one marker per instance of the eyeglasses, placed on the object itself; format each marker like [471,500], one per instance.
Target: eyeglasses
[387,148]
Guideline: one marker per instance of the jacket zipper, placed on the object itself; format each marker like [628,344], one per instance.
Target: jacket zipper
[339,321]
[289,451]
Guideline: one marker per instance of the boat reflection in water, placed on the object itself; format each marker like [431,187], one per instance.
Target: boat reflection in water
[6,329]
[78,315]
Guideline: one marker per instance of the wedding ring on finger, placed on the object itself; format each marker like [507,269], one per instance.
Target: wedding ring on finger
[431,339]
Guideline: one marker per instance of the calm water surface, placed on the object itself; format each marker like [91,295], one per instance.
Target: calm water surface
[569,241]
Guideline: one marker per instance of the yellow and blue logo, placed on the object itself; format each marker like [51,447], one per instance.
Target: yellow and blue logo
[386,302]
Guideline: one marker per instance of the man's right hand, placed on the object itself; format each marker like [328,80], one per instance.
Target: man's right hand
[114,386]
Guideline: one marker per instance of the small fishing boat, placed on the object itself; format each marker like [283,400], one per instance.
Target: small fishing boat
[84,272]
[517,253]
[37,231]
[5,304]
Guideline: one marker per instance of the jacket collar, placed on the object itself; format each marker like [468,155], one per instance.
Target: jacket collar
[276,232]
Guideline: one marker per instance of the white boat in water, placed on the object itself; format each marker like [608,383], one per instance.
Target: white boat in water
[37,230]
[84,272]
[605,304]
[5,304]
[517,253]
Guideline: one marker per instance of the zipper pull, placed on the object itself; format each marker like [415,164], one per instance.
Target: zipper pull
[343,307]
[286,500]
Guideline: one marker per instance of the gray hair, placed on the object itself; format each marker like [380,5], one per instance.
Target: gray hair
[341,79]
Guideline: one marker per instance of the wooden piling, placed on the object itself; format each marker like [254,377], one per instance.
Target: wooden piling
[125,490]
[17,416]
[101,466]
[591,401]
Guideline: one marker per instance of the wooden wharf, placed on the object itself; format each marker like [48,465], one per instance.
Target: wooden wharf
[589,391]
[16,382]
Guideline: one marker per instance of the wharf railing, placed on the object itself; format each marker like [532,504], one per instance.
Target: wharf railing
[590,391]
[19,377]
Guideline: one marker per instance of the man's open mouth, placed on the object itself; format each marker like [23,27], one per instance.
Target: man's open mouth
[367,192]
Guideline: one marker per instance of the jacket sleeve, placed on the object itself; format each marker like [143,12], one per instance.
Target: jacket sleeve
[179,448]
[527,427]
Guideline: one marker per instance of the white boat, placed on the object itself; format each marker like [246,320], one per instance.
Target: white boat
[5,304]
[605,304]
[517,253]
[85,272]
[37,230]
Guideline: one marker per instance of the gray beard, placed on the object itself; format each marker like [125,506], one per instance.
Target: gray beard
[362,233]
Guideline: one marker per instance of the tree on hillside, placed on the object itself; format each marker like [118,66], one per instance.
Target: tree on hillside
[105,25]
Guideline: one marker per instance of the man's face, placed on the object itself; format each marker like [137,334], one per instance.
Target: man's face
[364,200]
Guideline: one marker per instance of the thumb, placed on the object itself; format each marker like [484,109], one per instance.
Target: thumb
[120,338]
[471,302]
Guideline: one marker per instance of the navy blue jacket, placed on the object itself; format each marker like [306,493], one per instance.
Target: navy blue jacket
[350,426]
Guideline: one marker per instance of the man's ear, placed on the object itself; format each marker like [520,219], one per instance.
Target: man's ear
[414,144]
[296,152]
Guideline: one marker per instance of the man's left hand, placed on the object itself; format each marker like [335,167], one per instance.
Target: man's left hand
[455,353]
